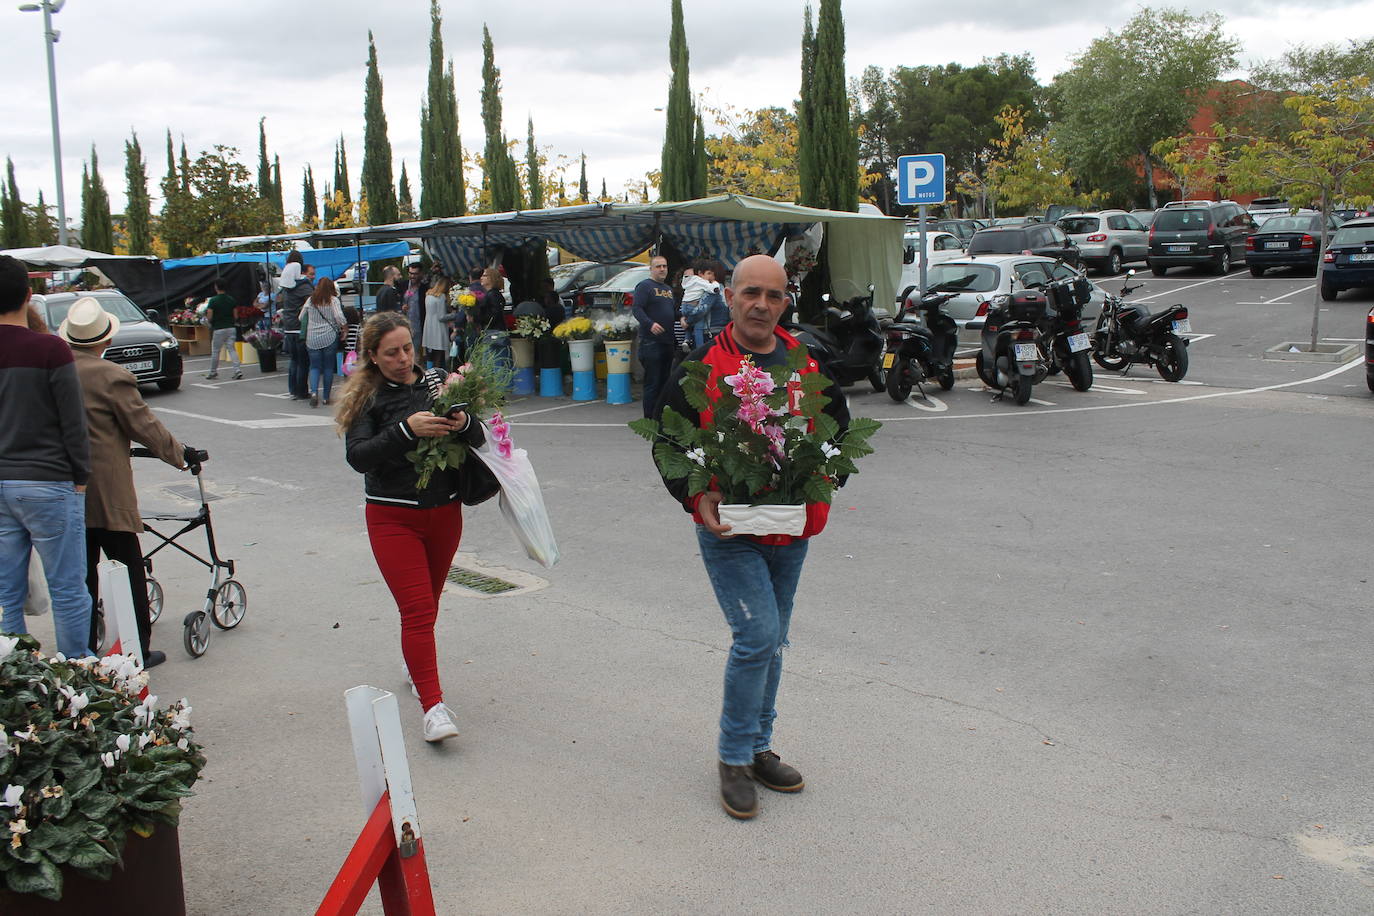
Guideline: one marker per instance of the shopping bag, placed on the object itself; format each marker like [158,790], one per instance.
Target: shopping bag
[39,602]
[522,503]
[350,361]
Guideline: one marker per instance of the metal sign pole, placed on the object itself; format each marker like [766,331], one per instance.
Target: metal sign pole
[922,252]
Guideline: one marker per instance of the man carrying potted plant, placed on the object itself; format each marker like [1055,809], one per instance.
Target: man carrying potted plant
[752,418]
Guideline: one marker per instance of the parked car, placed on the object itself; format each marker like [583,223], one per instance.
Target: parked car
[572,278]
[1055,212]
[1011,221]
[348,280]
[1349,259]
[140,345]
[1146,216]
[978,280]
[1261,208]
[615,293]
[963,228]
[1287,241]
[1199,233]
[1043,239]
[940,247]
[1107,239]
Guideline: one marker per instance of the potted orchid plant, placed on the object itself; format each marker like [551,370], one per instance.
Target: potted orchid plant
[765,441]
[92,774]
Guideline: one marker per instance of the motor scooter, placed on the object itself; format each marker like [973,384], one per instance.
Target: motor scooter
[849,340]
[1011,351]
[1067,345]
[1127,334]
[920,349]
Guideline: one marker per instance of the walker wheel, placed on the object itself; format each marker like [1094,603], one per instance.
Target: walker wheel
[196,637]
[231,603]
[99,626]
[154,600]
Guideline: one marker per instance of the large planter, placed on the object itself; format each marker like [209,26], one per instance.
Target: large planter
[522,356]
[267,360]
[618,372]
[761,520]
[582,358]
[149,884]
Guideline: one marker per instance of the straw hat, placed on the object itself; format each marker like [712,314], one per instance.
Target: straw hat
[87,324]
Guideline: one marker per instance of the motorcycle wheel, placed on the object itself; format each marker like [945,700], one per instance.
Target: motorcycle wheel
[899,381]
[1110,363]
[946,378]
[981,368]
[1021,388]
[877,378]
[1080,371]
[1173,362]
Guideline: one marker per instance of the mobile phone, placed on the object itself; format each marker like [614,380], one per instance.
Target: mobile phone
[455,410]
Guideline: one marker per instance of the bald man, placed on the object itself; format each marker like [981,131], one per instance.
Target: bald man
[754,577]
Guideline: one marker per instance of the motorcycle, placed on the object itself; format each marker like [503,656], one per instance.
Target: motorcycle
[920,351]
[1067,345]
[850,343]
[1127,334]
[1011,353]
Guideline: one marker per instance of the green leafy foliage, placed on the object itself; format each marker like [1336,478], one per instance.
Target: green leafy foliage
[482,383]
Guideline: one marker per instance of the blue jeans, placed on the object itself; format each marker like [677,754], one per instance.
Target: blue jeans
[299,368]
[322,369]
[50,517]
[754,585]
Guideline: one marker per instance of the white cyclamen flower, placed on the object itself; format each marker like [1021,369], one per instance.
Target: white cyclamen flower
[181,716]
[183,744]
[13,796]
[698,456]
[122,742]
[144,740]
[79,702]
[143,713]
[7,644]
[108,758]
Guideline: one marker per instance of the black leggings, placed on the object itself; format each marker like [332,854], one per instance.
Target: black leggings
[123,547]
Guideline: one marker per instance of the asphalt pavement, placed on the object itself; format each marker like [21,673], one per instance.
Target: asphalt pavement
[1107,652]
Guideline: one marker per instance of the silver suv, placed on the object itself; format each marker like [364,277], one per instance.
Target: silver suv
[1107,239]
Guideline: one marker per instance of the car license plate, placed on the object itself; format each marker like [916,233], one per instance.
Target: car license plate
[1269,246]
[1180,247]
[889,359]
[1079,342]
[1183,327]
[1363,256]
[1025,352]
[143,365]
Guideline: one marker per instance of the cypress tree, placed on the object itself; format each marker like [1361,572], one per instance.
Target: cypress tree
[502,185]
[699,161]
[185,170]
[405,207]
[377,186]
[534,182]
[582,182]
[678,165]
[310,207]
[341,171]
[329,211]
[441,153]
[264,166]
[604,195]
[278,206]
[42,230]
[172,194]
[97,229]
[806,171]
[833,141]
[15,232]
[138,216]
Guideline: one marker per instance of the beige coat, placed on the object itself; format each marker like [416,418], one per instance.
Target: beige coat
[116,415]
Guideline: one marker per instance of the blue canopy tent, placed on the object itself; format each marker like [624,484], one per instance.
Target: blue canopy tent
[328,262]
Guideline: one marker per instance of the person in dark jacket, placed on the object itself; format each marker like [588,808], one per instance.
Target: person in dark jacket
[296,288]
[388,296]
[385,409]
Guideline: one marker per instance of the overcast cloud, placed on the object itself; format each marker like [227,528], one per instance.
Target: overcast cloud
[590,74]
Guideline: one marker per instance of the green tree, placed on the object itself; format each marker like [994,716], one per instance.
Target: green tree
[1129,90]
[1328,159]
[679,157]
[441,154]
[341,171]
[174,202]
[377,186]
[310,204]
[265,190]
[138,214]
[699,163]
[582,197]
[877,119]
[534,182]
[97,228]
[499,178]
[15,231]
[1310,70]
[405,207]
[806,154]
[42,224]
[832,141]
[755,154]
[223,201]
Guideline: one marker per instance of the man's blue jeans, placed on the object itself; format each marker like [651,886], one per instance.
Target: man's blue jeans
[754,584]
[50,517]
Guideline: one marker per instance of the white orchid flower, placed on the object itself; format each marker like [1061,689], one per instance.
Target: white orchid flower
[13,796]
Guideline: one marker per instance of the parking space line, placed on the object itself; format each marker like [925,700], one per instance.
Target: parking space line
[1179,289]
[1303,289]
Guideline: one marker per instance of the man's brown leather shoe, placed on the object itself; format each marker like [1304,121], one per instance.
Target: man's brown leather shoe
[771,773]
[738,796]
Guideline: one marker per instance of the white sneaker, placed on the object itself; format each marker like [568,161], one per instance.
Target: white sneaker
[405,669]
[439,723]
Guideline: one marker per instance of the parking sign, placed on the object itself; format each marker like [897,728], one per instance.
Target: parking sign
[921,179]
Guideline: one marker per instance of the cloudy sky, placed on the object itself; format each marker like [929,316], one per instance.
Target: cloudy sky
[590,74]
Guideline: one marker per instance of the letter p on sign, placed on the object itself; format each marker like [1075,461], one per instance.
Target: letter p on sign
[921,179]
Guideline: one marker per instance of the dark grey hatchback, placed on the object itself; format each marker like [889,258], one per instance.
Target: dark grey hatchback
[1349,258]
[1199,233]
[141,346]
[1044,239]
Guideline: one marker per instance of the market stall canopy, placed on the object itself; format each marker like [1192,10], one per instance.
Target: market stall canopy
[65,257]
[864,248]
[328,262]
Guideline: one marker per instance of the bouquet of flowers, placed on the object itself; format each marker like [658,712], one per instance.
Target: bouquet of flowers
[618,327]
[531,326]
[245,315]
[574,329]
[482,384]
[186,317]
[800,262]
[768,440]
[83,761]
[264,338]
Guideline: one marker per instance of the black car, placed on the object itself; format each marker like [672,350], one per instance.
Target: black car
[1349,259]
[1199,233]
[1044,239]
[143,347]
[1286,241]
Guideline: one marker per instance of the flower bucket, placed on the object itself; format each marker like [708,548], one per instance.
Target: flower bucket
[522,354]
[267,360]
[582,354]
[618,372]
[761,520]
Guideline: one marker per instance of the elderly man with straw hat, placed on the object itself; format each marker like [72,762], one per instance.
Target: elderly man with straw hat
[115,415]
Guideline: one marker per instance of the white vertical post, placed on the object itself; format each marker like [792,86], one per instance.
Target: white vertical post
[120,622]
[379,747]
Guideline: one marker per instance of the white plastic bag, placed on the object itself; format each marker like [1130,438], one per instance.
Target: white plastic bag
[522,503]
[39,601]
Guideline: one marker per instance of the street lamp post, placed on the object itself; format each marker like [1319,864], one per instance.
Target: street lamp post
[50,36]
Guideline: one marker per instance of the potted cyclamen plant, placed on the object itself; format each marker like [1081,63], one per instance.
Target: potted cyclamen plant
[91,783]
[767,445]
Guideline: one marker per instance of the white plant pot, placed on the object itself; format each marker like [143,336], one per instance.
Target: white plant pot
[760,520]
[582,354]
